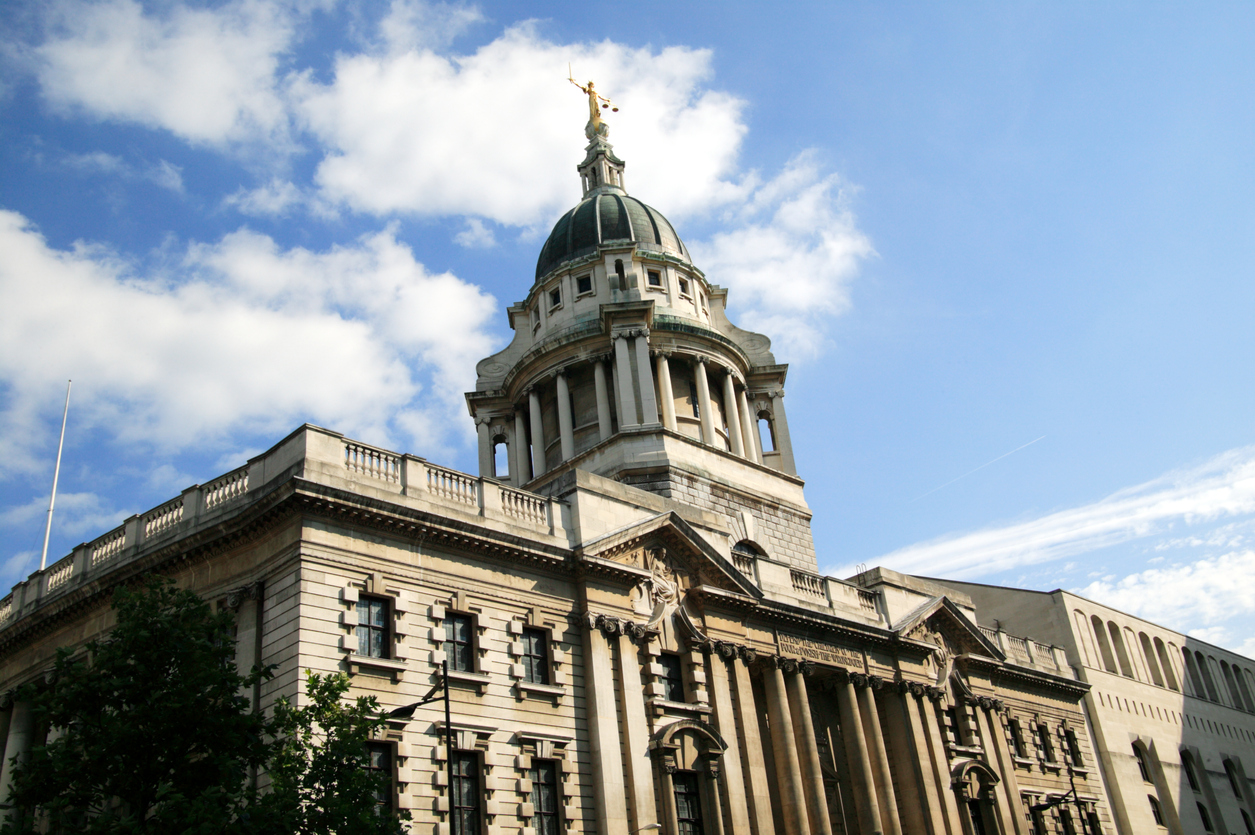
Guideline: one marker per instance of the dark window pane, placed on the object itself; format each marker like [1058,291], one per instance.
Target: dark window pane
[372,627]
[672,678]
[544,777]
[458,646]
[535,656]
[688,807]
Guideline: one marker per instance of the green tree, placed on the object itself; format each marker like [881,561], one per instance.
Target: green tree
[151,733]
[318,782]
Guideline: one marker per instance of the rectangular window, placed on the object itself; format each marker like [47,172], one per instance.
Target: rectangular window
[684,287]
[544,777]
[372,627]
[1074,748]
[1065,818]
[459,642]
[1043,741]
[952,725]
[584,284]
[672,678]
[466,793]
[697,412]
[655,278]
[1018,745]
[688,805]
[535,656]
[379,761]
[555,297]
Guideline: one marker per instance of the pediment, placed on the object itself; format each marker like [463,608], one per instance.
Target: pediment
[669,544]
[942,623]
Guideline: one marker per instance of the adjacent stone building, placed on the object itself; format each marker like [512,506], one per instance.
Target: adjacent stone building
[627,594]
[1173,717]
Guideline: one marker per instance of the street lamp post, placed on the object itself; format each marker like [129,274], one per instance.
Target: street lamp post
[406,713]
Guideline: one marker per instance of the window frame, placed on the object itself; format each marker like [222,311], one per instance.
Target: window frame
[684,289]
[556,290]
[1143,766]
[650,275]
[533,662]
[1072,744]
[472,643]
[1019,747]
[389,747]
[668,681]
[533,774]
[1156,810]
[592,286]
[690,780]
[455,825]
[385,630]
[1208,826]
[1044,742]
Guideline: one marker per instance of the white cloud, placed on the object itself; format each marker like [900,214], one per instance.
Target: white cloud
[791,252]
[1222,487]
[411,24]
[1198,596]
[234,336]
[475,236]
[76,514]
[206,75]
[274,199]
[163,173]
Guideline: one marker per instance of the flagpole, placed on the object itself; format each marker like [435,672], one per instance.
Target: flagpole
[56,473]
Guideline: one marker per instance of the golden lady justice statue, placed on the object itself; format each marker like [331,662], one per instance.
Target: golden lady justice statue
[596,103]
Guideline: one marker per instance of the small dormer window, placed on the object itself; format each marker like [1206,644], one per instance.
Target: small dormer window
[655,278]
[555,298]
[684,287]
[584,285]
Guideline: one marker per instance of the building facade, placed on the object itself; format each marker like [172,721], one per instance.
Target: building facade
[1173,717]
[627,595]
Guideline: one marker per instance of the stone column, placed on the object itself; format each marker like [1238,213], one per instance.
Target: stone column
[703,401]
[880,761]
[665,392]
[808,754]
[930,772]
[733,781]
[17,747]
[649,404]
[941,763]
[604,425]
[566,425]
[623,368]
[538,434]
[713,788]
[784,752]
[635,730]
[487,462]
[1010,806]
[909,759]
[749,430]
[603,734]
[733,414]
[782,432]
[858,757]
[757,783]
[522,466]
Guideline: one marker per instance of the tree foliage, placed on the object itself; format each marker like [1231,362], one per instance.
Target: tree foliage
[152,732]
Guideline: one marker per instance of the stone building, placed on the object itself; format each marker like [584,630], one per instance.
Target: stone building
[627,594]
[1173,717]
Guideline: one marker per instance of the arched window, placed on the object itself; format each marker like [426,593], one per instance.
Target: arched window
[1246,691]
[1142,765]
[766,432]
[1155,810]
[1232,683]
[1187,765]
[501,457]
[1234,778]
[1191,669]
[1100,632]
[1122,655]
[1202,813]
[1152,663]
[1205,669]
[618,270]
[1246,820]
[1165,663]
[1085,639]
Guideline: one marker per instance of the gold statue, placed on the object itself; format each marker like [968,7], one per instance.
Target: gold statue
[596,103]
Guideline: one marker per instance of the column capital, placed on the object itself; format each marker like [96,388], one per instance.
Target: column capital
[701,358]
[860,680]
[774,393]
[482,420]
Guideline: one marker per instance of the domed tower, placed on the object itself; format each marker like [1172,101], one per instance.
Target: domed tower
[624,365]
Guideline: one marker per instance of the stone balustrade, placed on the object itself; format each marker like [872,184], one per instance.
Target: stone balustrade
[1029,653]
[310,453]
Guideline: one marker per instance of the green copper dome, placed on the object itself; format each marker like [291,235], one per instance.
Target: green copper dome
[605,216]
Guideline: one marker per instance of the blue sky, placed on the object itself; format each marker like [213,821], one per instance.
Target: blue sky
[1007,249]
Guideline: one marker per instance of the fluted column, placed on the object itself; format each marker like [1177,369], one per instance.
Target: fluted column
[930,770]
[522,469]
[880,761]
[640,772]
[538,434]
[733,414]
[487,462]
[703,401]
[784,752]
[649,404]
[665,392]
[941,763]
[782,432]
[858,757]
[909,757]
[603,735]
[757,783]
[808,754]
[749,430]
[604,425]
[732,785]
[1010,806]
[16,750]
[623,369]
[566,426]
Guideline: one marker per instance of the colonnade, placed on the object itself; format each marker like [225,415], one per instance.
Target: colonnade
[641,382]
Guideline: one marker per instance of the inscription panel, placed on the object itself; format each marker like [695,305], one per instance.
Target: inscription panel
[819,652]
